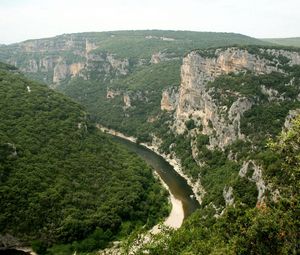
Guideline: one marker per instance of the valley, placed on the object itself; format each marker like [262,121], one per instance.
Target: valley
[221,108]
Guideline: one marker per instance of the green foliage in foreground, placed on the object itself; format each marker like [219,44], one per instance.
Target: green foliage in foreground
[272,227]
[63,181]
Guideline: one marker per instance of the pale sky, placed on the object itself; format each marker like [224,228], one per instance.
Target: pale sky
[29,19]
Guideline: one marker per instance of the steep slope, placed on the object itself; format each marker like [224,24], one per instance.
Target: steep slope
[110,54]
[271,228]
[293,41]
[229,105]
[61,180]
[230,102]
[121,73]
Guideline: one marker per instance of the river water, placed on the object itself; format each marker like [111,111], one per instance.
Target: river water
[177,184]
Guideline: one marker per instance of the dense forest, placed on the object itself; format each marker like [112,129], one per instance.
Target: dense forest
[62,182]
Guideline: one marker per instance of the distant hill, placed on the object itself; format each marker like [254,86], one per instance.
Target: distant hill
[55,59]
[63,181]
[293,41]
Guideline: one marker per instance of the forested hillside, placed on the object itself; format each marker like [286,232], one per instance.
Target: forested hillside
[61,180]
[293,41]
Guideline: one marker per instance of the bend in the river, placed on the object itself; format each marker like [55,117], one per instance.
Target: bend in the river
[183,199]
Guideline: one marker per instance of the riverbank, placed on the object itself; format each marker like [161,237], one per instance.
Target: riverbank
[176,164]
[176,216]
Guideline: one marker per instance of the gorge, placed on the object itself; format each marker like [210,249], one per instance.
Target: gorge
[222,108]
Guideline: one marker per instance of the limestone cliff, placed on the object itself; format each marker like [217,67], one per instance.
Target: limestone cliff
[220,122]
[202,109]
[64,57]
[169,99]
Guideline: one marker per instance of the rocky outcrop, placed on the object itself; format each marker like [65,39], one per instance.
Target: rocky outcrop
[228,195]
[272,94]
[169,99]
[89,46]
[162,56]
[291,116]
[120,66]
[110,93]
[60,72]
[253,173]
[127,101]
[220,122]
[292,56]
[67,56]
[75,68]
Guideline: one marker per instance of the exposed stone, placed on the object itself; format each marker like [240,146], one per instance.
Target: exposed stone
[110,93]
[290,117]
[75,68]
[89,46]
[152,119]
[31,66]
[127,101]
[60,72]
[121,66]
[255,177]
[160,38]
[293,56]
[195,98]
[169,99]
[271,93]
[228,195]
[162,56]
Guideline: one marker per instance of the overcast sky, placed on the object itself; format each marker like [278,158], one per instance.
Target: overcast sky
[28,19]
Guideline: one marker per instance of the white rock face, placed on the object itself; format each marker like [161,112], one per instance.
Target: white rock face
[196,100]
[169,99]
[60,72]
[110,93]
[255,177]
[162,56]
[121,65]
[294,57]
[291,116]
[228,195]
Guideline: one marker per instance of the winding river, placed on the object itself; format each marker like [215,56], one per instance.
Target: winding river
[181,193]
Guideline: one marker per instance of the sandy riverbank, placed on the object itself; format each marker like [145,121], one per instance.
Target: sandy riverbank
[176,216]
[171,159]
